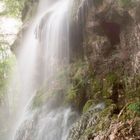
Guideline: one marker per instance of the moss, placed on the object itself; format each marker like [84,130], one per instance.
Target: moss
[79,77]
[132,88]
[88,104]
[108,102]
[71,94]
[127,3]
[89,131]
[98,2]
[39,99]
[97,86]
[102,125]
[79,73]
[130,111]
[105,118]
[94,89]
[108,83]
[135,107]
[108,111]
[76,97]
[46,93]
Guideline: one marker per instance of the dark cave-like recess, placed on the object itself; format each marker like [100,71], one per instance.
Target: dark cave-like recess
[112,31]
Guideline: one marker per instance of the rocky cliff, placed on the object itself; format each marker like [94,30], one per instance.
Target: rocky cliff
[104,71]
[110,45]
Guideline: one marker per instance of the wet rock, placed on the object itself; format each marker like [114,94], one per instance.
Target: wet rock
[88,120]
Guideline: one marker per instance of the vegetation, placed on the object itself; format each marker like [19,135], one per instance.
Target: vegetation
[86,89]
[6,66]
[135,107]
[10,11]
[7,59]
[88,104]
[13,7]
[127,3]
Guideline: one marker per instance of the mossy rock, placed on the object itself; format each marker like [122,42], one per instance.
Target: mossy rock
[80,73]
[105,118]
[71,94]
[97,2]
[108,111]
[130,111]
[39,99]
[45,94]
[108,83]
[108,102]
[127,3]
[88,132]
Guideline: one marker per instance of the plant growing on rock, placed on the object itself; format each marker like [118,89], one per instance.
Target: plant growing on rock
[135,107]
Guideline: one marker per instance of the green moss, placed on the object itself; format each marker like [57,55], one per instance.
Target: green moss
[135,107]
[79,73]
[127,3]
[76,97]
[94,89]
[127,115]
[71,94]
[98,2]
[105,118]
[76,93]
[102,125]
[89,131]
[108,102]
[108,83]
[132,88]
[39,99]
[97,86]
[88,104]
[108,111]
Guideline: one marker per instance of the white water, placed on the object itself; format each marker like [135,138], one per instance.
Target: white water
[44,51]
[53,34]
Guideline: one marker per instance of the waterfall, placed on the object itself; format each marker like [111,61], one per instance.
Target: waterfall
[53,34]
[44,52]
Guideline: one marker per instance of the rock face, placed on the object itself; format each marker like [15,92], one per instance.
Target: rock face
[110,40]
[88,120]
[111,34]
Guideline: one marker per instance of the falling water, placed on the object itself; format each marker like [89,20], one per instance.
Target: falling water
[44,52]
[53,34]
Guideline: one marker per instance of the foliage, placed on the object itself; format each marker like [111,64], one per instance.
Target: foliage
[98,2]
[71,94]
[80,76]
[88,104]
[7,62]
[108,83]
[135,107]
[38,99]
[127,3]
[6,66]
[52,89]
[14,7]
[132,88]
